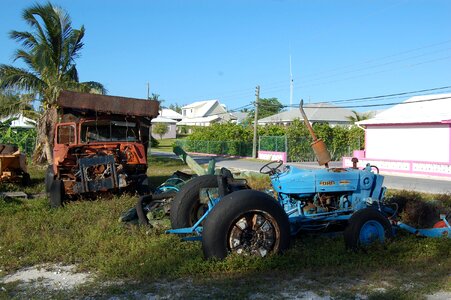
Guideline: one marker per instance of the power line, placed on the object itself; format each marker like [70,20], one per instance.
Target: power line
[381,104]
[390,95]
[374,98]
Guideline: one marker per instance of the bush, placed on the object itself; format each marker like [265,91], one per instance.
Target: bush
[236,139]
[419,210]
[25,139]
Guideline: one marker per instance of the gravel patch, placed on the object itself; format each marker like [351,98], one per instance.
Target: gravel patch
[52,277]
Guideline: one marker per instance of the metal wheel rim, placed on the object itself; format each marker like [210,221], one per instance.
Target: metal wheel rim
[254,233]
[197,212]
[371,231]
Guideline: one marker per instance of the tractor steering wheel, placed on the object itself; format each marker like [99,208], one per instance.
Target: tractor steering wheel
[271,170]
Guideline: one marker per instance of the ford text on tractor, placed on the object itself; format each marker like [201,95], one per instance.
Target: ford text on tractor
[229,217]
[100,145]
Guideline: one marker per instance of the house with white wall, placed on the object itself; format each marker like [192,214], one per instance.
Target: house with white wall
[171,125]
[19,121]
[204,113]
[170,114]
[413,137]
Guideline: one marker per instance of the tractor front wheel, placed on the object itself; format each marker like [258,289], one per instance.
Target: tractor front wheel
[246,222]
[365,227]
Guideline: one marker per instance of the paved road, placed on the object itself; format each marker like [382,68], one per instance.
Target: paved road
[419,184]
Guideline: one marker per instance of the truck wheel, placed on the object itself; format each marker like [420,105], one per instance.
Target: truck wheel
[49,178]
[246,222]
[56,194]
[26,179]
[365,227]
[143,185]
[186,208]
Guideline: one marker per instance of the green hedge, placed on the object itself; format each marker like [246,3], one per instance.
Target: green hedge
[233,139]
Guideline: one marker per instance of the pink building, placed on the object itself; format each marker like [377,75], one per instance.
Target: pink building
[413,137]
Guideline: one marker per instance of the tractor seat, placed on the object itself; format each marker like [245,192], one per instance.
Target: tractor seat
[227,184]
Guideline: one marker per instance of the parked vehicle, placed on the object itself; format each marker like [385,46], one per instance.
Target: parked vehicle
[236,219]
[13,165]
[100,145]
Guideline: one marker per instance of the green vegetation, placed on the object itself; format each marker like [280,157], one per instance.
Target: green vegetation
[233,139]
[266,107]
[160,129]
[165,145]
[23,138]
[49,52]
[359,116]
[88,234]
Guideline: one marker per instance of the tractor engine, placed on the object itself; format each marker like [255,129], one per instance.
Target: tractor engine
[307,192]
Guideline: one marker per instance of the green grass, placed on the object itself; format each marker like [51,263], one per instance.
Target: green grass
[165,145]
[88,233]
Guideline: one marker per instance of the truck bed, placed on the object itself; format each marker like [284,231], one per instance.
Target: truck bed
[108,104]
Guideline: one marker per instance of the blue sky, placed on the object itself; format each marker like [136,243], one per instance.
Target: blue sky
[198,50]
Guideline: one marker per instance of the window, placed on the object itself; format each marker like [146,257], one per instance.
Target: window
[109,130]
[66,134]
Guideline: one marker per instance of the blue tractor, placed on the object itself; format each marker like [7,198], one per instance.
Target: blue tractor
[229,217]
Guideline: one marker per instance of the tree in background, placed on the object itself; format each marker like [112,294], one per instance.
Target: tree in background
[12,103]
[156,97]
[160,129]
[266,107]
[359,116]
[49,52]
[176,108]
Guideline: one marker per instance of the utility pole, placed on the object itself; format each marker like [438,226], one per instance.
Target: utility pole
[149,145]
[148,90]
[254,144]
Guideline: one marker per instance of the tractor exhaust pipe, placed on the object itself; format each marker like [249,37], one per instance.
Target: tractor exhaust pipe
[318,145]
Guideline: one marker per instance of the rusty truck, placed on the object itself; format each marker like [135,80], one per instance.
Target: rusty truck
[100,145]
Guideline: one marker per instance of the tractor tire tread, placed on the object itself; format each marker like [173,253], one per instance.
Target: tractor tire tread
[217,224]
[187,197]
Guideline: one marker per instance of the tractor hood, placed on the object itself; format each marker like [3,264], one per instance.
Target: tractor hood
[301,181]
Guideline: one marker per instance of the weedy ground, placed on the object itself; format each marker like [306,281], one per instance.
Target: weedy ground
[129,261]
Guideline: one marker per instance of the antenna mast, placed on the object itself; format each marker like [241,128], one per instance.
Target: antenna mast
[291,86]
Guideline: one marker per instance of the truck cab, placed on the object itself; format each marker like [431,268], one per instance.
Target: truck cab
[99,148]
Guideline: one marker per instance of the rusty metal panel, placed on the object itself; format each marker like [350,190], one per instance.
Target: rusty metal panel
[109,104]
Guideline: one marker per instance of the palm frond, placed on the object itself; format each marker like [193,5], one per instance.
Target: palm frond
[26,57]
[93,87]
[12,77]
[72,73]
[27,39]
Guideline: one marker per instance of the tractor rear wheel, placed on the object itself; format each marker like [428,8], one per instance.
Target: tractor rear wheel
[186,207]
[246,222]
[56,194]
[365,227]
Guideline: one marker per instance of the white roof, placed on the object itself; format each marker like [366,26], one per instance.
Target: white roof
[20,121]
[195,121]
[419,109]
[163,120]
[202,106]
[169,113]
[316,112]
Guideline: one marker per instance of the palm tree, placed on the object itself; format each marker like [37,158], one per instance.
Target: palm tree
[359,116]
[156,97]
[49,52]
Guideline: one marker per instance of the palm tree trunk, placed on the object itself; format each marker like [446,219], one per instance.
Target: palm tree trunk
[45,133]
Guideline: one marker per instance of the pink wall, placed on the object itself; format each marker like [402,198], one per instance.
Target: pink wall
[433,168]
[271,155]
